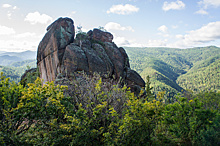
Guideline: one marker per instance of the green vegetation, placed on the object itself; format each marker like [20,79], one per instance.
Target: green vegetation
[14,64]
[176,70]
[17,69]
[7,60]
[204,77]
[93,112]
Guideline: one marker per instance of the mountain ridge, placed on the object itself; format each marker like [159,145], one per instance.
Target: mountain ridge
[170,69]
[166,65]
[8,58]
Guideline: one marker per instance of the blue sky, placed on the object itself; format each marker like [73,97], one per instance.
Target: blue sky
[134,23]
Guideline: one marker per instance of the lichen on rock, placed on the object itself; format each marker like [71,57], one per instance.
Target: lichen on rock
[92,52]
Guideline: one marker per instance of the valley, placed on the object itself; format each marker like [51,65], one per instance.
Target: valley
[170,70]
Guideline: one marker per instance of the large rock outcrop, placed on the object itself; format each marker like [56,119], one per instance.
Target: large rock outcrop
[59,53]
[52,47]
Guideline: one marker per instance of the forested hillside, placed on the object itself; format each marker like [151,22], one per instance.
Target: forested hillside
[174,70]
[203,77]
[100,113]
[14,64]
[16,70]
[91,111]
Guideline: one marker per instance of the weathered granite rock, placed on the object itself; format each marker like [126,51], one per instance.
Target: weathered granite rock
[74,59]
[82,40]
[59,54]
[52,47]
[117,59]
[99,35]
[133,78]
[99,61]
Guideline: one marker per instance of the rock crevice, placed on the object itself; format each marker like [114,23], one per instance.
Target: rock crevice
[60,53]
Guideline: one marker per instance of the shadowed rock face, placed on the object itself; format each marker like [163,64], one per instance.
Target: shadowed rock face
[59,53]
[52,47]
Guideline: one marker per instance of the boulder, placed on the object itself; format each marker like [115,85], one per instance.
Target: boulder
[74,59]
[133,78]
[52,47]
[99,61]
[61,56]
[117,59]
[100,35]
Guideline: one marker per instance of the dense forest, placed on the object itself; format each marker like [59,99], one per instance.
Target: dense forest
[176,70]
[14,64]
[15,70]
[101,113]
[170,70]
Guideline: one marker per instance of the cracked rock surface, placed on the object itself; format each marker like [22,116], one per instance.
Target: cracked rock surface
[60,52]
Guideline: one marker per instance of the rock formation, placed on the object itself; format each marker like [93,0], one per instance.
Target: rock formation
[60,53]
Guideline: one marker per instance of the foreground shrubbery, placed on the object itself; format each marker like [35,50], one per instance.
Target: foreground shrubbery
[98,113]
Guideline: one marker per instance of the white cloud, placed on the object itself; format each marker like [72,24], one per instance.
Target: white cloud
[25,35]
[163,29]
[178,5]
[6,30]
[207,3]
[123,9]
[179,36]
[9,14]
[6,5]
[205,34]
[202,11]
[18,45]
[115,26]
[36,17]
[157,43]
[10,9]
[121,41]
[136,45]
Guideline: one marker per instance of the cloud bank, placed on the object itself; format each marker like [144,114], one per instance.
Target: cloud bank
[115,26]
[36,17]
[178,5]
[123,9]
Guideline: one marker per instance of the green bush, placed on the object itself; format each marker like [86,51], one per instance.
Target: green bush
[91,111]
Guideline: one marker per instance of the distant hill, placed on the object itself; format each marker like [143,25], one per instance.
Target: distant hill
[14,64]
[24,63]
[13,73]
[205,76]
[174,70]
[16,70]
[7,58]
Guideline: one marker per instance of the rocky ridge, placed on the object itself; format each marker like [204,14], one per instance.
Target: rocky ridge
[60,53]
